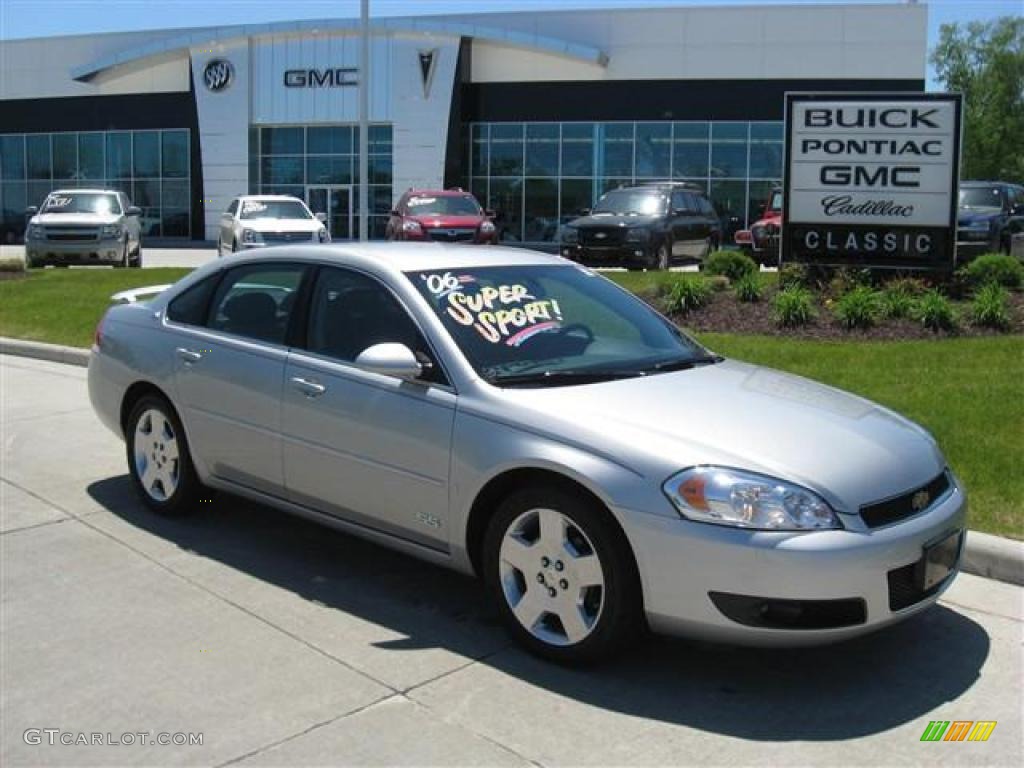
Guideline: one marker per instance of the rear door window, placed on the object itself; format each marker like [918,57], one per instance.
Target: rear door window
[256,301]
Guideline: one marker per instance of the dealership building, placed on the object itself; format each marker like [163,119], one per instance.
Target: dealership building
[536,113]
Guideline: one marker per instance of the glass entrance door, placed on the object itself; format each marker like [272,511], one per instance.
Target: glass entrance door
[335,202]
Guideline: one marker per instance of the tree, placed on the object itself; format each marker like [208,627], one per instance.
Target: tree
[985,62]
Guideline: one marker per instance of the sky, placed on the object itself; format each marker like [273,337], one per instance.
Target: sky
[40,18]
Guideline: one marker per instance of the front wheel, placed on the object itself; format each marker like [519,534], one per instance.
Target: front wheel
[562,575]
[158,458]
[137,261]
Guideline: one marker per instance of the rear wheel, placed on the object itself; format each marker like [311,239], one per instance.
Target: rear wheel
[158,458]
[562,576]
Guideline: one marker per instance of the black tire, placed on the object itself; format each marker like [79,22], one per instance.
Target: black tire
[234,246]
[621,617]
[137,261]
[126,260]
[185,496]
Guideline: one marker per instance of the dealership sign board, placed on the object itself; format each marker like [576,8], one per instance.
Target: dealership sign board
[871,179]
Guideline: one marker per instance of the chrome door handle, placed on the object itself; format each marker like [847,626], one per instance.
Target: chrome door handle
[188,355]
[307,387]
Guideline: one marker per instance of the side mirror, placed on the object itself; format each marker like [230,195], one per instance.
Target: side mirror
[133,210]
[390,359]
[321,216]
[489,213]
[32,210]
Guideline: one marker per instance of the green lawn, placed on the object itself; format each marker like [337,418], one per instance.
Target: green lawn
[62,306]
[968,392]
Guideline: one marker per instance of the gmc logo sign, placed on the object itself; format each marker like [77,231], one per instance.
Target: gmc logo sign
[337,77]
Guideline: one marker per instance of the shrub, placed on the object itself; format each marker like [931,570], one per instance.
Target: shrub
[858,308]
[794,306]
[793,275]
[935,312]
[846,279]
[12,265]
[718,283]
[897,301]
[687,294]
[732,264]
[994,268]
[748,288]
[991,306]
[911,286]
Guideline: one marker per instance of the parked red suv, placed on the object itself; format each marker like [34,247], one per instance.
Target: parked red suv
[761,241]
[442,215]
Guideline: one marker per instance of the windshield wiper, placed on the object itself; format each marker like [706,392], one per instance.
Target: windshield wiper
[560,378]
[685,363]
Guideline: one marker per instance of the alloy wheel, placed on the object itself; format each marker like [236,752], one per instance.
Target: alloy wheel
[551,577]
[156,455]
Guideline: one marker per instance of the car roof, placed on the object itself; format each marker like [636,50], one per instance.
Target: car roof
[85,189]
[269,197]
[987,184]
[439,193]
[408,257]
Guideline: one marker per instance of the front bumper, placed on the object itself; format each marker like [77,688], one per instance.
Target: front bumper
[84,252]
[682,563]
[624,254]
[967,249]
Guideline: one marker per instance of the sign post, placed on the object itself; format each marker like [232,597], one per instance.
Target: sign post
[871,180]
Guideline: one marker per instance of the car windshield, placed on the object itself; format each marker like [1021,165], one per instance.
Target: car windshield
[980,197]
[552,325]
[274,209]
[81,202]
[635,202]
[443,205]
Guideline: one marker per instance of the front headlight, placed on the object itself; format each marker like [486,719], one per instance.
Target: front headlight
[411,225]
[251,236]
[322,236]
[747,500]
[487,226]
[111,231]
[638,235]
[570,235]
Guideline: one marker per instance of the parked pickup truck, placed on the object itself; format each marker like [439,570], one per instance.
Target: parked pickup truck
[84,226]
[761,241]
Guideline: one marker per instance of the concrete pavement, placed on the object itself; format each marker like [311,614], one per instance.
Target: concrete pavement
[286,643]
[151,256]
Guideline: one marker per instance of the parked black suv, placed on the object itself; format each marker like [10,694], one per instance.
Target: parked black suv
[991,218]
[647,226]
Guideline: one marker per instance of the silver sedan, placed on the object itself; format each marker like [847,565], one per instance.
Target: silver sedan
[517,416]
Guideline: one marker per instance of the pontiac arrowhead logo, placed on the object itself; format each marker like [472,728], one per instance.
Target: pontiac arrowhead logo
[428,63]
[218,74]
[920,500]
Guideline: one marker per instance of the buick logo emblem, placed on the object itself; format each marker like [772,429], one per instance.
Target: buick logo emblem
[920,500]
[218,74]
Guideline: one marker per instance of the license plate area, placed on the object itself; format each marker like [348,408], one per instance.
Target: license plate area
[938,560]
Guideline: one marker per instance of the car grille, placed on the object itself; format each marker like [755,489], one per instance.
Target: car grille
[903,506]
[77,234]
[602,235]
[274,238]
[449,235]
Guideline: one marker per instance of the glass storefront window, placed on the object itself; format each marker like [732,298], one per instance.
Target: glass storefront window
[690,150]
[326,169]
[174,159]
[542,149]
[653,150]
[65,155]
[578,149]
[730,201]
[282,170]
[12,158]
[37,156]
[540,215]
[729,150]
[146,154]
[506,150]
[576,196]
[615,157]
[90,156]
[506,199]
[766,159]
[283,141]
[329,140]
[119,155]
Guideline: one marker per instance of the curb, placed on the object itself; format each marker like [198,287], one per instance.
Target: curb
[984,554]
[55,353]
[994,557]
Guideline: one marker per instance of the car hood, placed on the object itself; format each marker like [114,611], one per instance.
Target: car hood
[970,215]
[612,220]
[771,218]
[282,225]
[848,449]
[445,222]
[76,219]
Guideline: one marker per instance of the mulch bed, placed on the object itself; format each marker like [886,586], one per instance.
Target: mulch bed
[725,314]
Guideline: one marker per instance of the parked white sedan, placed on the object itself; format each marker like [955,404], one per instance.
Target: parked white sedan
[254,221]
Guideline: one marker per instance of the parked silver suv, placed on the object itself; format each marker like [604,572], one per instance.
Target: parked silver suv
[84,226]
